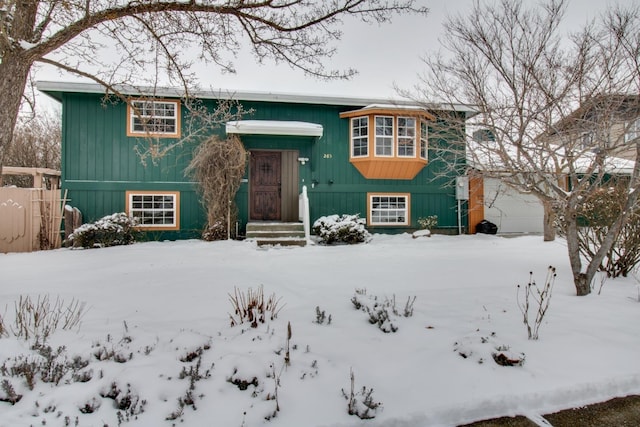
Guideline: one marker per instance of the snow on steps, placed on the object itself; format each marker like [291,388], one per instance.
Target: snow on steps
[276,233]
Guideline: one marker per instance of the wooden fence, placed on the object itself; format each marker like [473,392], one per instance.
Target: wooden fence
[30,218]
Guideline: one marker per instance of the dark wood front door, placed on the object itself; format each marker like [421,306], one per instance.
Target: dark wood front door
[266,186]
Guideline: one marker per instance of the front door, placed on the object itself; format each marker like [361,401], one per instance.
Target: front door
[265,185]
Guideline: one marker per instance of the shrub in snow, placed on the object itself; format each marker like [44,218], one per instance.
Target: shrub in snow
[252,307]
[321,316]
[428,223]
[215,231]
[503,356]
[8,393]
[480,346]
[382,313]
[242,383]
[537,297]
[44,364]
[112,230]
[90,406]
[37,320]
[3,329]
[597,213]
[341,229]
[127,403]
[361,403]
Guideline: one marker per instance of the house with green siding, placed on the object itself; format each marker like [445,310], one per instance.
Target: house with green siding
[373,157]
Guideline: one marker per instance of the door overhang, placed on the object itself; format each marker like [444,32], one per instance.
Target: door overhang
[274,127]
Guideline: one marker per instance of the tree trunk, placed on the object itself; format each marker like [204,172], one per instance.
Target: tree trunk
[583,284]
[581,280]
[549,222]
[14,72]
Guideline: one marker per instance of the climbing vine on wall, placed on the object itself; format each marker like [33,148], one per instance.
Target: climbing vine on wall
[217,167]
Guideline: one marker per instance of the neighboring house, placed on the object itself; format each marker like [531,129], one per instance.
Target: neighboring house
[355,156]
[512,211]
[605,123]
[491,199]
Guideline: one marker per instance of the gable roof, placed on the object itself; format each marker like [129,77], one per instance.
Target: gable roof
[56,89]
[600,108]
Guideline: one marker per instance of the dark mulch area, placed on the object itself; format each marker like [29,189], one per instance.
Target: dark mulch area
[618,412]
[518,421]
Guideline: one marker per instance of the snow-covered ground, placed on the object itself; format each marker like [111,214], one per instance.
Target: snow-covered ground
[158,314]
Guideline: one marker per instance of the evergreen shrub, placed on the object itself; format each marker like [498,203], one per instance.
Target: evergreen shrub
[111,230]
[334,229]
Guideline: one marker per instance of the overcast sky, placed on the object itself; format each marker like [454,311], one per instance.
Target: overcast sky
[383,55]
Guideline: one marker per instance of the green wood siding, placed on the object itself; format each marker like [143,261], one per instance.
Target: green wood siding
[99,165]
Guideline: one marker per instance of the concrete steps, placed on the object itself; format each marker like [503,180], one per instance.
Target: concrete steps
[276,233]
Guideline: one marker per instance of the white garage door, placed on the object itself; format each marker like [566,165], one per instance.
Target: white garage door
[511,211]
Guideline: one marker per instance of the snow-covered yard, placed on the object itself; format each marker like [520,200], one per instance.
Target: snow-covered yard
[158,315]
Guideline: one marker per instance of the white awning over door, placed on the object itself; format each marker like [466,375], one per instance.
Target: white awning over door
[274,127]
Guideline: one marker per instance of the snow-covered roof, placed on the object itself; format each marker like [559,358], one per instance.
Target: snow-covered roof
[483,158]
[392,106]
[55,90]
[274,127]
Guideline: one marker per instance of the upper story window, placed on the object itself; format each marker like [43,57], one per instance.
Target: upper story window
[360,137]
[384,136]
[154,118]
[388,141]
[406,137]
[633,131]
[424,140]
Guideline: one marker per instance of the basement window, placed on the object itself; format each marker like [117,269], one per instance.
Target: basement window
[153,118]
[154,210]
[388,209]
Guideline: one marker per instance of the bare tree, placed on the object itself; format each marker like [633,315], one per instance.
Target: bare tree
[553,110]
[150,38]
[36,143]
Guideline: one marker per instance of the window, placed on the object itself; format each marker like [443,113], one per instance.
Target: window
[406,137]
[360,137]
[586,139]
[633,131]
[155,118]
[154,210]
[424,140]
[384,136]
[388,209]
[388,142]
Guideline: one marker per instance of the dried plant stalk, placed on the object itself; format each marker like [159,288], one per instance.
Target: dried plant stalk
[218,167]
[252,308]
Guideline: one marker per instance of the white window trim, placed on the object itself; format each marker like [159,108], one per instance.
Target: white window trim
[370,209]
[632,131]
[132,116]
[353,138]
[392,136]
[424,138]
[175,225]
[407,138]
